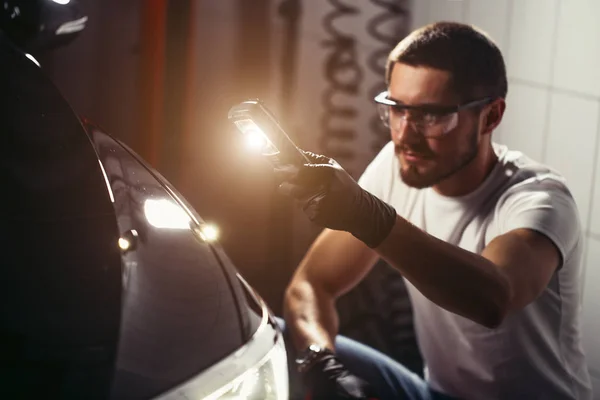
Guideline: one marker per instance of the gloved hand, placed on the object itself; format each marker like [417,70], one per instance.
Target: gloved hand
[332,199]
[328,379]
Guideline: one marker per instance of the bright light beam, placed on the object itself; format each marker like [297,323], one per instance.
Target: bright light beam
[163,213]
[124,244]
[209,232]
[256,140]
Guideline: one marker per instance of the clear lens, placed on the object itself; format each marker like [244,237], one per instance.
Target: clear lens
[266,381]
[429,126]
[384,114]
[256,140]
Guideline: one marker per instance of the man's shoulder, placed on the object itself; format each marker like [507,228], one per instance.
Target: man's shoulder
[528,188]
[537,197]
[522,172]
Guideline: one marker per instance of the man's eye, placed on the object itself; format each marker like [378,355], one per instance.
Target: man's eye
[429,118]
[435,118]
[424,117]
[397,112]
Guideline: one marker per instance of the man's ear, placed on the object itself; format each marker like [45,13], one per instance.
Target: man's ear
[492,118]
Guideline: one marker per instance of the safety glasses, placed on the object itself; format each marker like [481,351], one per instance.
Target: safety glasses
[430,120]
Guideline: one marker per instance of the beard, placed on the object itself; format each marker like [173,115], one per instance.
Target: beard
[413,177]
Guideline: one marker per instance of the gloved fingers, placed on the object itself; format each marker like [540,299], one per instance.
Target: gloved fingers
[312,204]
[306,174]
[315,158]
[314,175]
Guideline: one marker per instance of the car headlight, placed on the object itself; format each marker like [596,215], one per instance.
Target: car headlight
[268,380]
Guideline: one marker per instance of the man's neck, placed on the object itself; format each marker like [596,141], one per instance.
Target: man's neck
[471,176]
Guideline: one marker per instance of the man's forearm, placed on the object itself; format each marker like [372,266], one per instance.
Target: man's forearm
[310,316]
[457,280]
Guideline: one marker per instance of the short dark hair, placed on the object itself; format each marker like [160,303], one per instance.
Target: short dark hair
[469,54]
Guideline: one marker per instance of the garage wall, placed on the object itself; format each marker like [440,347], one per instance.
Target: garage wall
[97,72]
[372,29]
[553,105]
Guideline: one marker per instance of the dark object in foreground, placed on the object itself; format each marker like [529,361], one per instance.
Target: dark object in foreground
[330,380]
[109,289]
[40,25]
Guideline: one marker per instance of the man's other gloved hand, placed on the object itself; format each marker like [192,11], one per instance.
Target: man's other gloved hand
[332,199]
[328,379]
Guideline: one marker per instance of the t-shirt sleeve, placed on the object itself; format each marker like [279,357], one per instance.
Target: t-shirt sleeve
[376,177]
[547,207]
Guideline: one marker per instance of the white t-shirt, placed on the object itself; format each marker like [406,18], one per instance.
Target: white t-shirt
[536,353]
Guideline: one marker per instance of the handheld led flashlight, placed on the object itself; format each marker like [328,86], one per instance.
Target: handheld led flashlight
[263,134]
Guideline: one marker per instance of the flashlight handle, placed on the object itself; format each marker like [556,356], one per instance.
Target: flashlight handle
[289,153]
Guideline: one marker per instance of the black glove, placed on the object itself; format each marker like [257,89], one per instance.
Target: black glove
[334,200]
[328,379]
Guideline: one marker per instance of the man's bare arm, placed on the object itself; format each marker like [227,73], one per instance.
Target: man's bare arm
[509,274]
[335,263]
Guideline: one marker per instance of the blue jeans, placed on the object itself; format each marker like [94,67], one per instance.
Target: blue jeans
[390,379]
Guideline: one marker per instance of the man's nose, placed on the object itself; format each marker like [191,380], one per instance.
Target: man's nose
[403,132]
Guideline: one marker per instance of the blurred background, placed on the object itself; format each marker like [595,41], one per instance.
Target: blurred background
[161,75]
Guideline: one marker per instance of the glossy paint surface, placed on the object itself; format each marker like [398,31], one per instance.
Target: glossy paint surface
[61,269]
[107,289]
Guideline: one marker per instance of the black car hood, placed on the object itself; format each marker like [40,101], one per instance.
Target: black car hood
[82,318]
[61,271]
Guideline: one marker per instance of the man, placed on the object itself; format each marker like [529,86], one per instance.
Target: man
[488,241]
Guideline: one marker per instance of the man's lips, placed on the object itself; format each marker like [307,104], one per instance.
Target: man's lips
[412,156]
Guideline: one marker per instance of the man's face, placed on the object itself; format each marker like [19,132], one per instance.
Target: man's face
[427,161]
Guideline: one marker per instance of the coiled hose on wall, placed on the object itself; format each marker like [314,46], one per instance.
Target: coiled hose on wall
[378,311]
[393,15]
[344,76]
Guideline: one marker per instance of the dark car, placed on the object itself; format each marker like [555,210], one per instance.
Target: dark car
[112,285]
